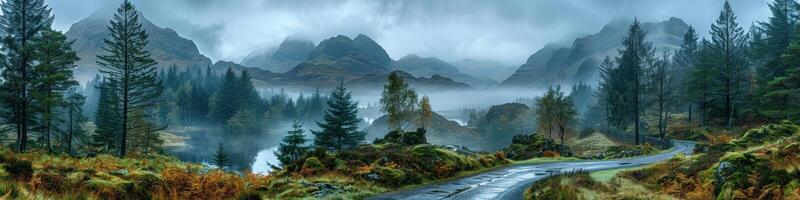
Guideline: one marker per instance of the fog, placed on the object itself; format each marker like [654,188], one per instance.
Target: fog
[507,31]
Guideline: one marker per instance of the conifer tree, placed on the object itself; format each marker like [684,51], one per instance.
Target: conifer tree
[21,23]
[107,119]
[74,119]
[728,49]
[780,99]
[129,67]
[52,77]
[292,146]
[684,60]
[779,32]
[635,57]
[222,104]
[700,80]
[399,102]
[340,127]
[221,158]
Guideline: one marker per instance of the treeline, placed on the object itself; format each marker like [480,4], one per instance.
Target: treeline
[39,99]
[731,78]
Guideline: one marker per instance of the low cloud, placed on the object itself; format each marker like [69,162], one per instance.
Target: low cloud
[507,31]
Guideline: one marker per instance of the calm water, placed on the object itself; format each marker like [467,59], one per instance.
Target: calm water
[245,152]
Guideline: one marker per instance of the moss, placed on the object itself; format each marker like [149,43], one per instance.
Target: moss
[146,183]
[109,189]
[767,133]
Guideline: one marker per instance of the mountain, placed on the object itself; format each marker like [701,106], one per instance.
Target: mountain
[502,122]
[371,49]
[555,64]
[292,51]
[339,59]
[435,82]
[490,69]
[431,66]
[165,46]
[260,76]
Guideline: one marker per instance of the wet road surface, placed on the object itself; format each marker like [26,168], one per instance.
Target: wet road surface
[510,182]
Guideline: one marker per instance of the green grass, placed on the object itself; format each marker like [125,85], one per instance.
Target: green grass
[605,176]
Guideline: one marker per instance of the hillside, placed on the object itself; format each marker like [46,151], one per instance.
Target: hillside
[555,64]
[292,51]
[443,132]
[426,67]
[166,46]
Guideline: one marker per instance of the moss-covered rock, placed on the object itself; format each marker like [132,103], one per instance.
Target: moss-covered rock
[767,133]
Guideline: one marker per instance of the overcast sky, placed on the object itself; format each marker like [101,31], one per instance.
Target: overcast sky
[507,31]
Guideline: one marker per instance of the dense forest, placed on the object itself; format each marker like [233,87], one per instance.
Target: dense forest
[732,93]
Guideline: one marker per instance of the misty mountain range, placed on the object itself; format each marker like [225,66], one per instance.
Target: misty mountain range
[362,62]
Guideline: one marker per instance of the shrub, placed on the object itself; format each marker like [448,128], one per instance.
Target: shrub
[311,166]
[550,154]
[20,170]
[48,182]
[767,133]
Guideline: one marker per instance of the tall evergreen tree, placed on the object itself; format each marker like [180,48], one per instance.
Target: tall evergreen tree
[52,77]
[74,119]
[780,99]
[292,146]
[130,69]
[222,104]
[779,31]
[340,127]
[21,23]
[399,102]
[684,60]
[107,119]
[700,80]
[728,48]
[635,57]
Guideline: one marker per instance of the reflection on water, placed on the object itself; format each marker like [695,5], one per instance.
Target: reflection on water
[265,158]
[251,152]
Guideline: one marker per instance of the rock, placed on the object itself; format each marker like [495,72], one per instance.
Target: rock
[373,177]
[720,173]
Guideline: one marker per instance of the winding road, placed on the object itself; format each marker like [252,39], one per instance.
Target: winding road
[512,181]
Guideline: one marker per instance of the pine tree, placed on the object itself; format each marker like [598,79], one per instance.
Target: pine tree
[605,92]
[340,127]
[221,158]
[107,119]
[779,31]
[728,50]
[21,23]
[780,99]
[52,77]
[635,57]
[684,60]
[399,102]
[292,146]
[700,80]
[222,104]
[130,69]
[75,119]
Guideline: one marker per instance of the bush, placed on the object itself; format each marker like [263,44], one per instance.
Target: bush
[530,146]
[20,170]
[311,166]
[767,133]
[48,182]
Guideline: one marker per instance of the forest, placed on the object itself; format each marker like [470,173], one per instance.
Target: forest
[639,110]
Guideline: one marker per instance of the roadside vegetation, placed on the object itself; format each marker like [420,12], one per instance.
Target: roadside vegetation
[760,164]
